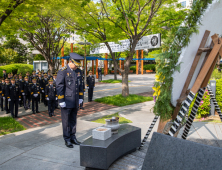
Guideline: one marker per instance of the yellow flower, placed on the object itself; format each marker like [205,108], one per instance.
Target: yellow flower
[158,77]
[156,91]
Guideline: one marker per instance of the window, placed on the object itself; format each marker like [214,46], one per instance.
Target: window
[183,4]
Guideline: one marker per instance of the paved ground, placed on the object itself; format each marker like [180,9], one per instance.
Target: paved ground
[43,147]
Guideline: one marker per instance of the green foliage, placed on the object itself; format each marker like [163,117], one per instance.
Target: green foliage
[119,100]
[204,107]
[176,39]
[154,53]
[145,67]
[122,120]
[219,92]
[16,69]
[112,81]
[9,125]
[38,57]
[216,74]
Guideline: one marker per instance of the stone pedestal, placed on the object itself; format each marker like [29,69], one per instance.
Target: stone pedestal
[101,133]
[101,154]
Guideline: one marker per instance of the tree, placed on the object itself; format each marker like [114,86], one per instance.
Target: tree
[111,20]
[45,32]
[16,45]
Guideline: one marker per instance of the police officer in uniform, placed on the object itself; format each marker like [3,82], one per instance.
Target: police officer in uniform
[7,104]
[39,80]
[4,74]
[51,96]
[14,97]
[90,85]
[26,93]
[70,95]
[44,83]
[2,92]
[100,74]
[35,92]
[20,83]
[54,82]
[33,75]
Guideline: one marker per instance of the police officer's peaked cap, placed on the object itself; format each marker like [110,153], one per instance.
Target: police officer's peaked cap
[33,71]
[12,79]
[76,59]
[20,74]
[45,74]
[34,78]
[55,74]
[90,71]
[6,79]
[26,77]
[40,73]
[4,70]
[50,79]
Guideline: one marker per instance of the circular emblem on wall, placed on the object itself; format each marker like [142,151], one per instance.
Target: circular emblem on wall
[93,50]
[154,41]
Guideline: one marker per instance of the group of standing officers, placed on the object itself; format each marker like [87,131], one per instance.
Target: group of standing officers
[39,87]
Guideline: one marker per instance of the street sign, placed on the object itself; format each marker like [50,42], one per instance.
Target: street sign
[146,42]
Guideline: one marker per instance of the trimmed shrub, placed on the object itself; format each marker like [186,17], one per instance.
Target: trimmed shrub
[219,92]
[145,67]
[16,69]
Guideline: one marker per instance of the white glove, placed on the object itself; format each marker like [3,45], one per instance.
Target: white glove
[80,101]
[56,98]
[35,95]
[63,104]
[9,100]
[3,98]
[87,87]
[42,91]
[19,99]
[23,94]
[47,98]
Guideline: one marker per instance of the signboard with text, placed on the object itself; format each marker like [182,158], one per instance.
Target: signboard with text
[146,42]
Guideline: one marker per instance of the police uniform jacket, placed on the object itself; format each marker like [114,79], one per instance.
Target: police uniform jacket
[50,91]
[14,92]
[90,81]
[34,89]
[1,90]
[83,83]
[69,86]
[5,75]
[7,93]
[40,81]
[20,83]
[44,83]
[25,88]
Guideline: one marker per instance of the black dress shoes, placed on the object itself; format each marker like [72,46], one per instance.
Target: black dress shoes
[75,142]
[33,112]
[68,144]
[82,108]
[37,112]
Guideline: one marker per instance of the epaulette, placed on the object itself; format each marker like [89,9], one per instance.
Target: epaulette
[30,83]
[63,68]
[47,84]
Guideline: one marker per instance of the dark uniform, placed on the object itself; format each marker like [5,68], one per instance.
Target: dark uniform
[39,80]
[4,75]
[81,104]
[100,74]
[51,96]
[2,89]
[26,94]
[14,96]
[54,82]
[90,84]
[7,93]
[34,90]
[44,83]
[70,90]
[20,83]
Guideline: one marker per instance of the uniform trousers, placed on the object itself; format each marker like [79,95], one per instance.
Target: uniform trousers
[81,104]
[14,103]
[51,107]
[6,105]
[25,98]
[35,106]
[69,123]
[2,103]
[20,102]
[90,94]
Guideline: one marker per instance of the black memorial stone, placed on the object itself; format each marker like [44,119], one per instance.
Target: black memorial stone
[101,154]
[166,152]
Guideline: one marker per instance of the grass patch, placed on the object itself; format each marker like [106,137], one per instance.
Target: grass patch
[122,120]
[9,125]
[111,81]
[209,121]
[119,100]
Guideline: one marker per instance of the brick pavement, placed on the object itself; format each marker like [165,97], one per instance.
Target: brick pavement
[42,118]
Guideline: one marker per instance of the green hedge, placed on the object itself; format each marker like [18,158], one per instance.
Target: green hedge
[16,69]
[219,92]
[145,67]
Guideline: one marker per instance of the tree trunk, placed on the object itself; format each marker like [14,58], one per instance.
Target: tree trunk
[139,62]
[125,85]
[115,73]
[51,67]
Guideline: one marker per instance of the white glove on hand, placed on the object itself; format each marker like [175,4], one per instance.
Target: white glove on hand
[9,100]
[3,98]
[63,104]
[47,98]
[56,98]
[42,91]
[80,101]
[20,99]
[23,94]
[35,95]
[87,87]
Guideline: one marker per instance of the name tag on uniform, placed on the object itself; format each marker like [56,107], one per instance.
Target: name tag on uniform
[78,74]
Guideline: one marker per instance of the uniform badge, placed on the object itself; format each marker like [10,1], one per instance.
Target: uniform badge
[69,82]
[68,74]
[78,74]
